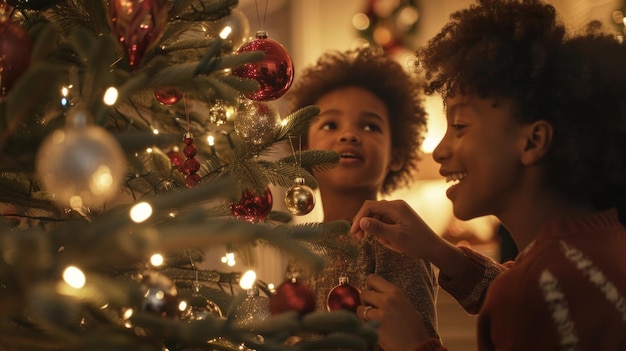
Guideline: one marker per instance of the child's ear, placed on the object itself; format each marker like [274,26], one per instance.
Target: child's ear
[397,161]
[537,141]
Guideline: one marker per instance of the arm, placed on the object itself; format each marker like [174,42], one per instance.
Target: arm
[464,273]
[396,225]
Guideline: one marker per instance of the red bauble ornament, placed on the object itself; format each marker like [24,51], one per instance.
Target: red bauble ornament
[176,158]
[138,25]
[192,180]
[190,150]
[168,96]
[292,295]
[191,165]
[274,72]
[252,207]
[16,47]
[343,296]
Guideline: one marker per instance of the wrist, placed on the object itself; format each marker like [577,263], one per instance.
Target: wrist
[447,257]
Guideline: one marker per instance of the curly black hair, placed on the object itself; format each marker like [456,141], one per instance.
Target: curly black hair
[370,68]
[520,49]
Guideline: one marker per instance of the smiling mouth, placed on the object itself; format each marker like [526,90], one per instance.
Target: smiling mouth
[455,178]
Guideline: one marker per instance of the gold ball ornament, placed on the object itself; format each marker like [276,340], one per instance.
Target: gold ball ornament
[299,198]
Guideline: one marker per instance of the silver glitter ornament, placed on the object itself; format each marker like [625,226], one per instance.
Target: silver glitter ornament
[254,308]
[256,122]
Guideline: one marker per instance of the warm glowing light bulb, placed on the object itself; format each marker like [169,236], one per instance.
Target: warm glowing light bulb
[226,32]
[110,96]
[156,260]
[74,277]
[140,212]
[247,280]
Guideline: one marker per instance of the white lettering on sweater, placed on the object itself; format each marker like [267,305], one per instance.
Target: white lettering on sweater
[595,276]
[557,303]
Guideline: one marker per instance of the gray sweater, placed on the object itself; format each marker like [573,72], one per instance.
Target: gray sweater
[416,277]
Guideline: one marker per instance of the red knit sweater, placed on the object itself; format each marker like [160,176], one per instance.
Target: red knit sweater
[566,291]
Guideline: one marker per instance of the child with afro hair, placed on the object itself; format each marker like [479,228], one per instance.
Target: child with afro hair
[536,137]
[372,115]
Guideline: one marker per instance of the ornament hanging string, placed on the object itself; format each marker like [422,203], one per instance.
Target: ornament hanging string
[299,198]
[186,102]
[297,157]
[258,17]
[196,283]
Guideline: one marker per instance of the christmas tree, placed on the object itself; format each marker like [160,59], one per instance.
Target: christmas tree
[134,136]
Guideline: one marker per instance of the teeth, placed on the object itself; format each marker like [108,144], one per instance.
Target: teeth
[456,177]
[348,155]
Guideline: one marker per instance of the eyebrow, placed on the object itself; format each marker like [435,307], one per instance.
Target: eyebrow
[367,114]
[451,109]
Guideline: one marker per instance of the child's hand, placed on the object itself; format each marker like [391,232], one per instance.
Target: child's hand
[395,225]
[401,326]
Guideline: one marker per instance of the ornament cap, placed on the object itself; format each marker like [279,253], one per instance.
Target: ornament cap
[299,181]
[187,136]
[252,292]
[344,280]
[261,34]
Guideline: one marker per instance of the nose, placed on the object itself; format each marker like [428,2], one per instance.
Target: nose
[441,152]
[349,136]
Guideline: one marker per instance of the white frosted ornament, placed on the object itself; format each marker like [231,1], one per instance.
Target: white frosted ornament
[235,28]
[256,122]
[82,164]
[299,198]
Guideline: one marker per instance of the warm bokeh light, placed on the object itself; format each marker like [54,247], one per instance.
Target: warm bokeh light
[437,123]
[140,212]
[101,181]
[229,259]
[156,260]
[360,21]
[226,32]
[74,277]
[247,279]
[110,96]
